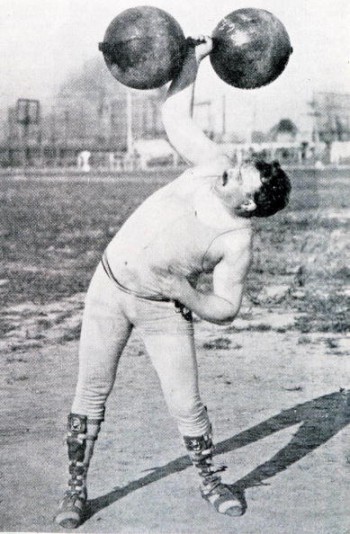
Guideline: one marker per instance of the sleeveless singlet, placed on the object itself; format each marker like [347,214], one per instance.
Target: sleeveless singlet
[174,228]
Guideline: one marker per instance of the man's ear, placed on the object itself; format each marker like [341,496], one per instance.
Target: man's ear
[248,205]
[246,209]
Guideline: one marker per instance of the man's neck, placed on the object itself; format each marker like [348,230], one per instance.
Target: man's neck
[213,210]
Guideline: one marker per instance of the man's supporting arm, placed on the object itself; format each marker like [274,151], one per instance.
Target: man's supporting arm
[212,307]
[223,304]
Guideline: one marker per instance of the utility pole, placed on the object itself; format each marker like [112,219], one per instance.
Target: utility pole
[129,137]
[253,125]
[53,135]
[223,131]
[28,112]
[206,105]
[315,114]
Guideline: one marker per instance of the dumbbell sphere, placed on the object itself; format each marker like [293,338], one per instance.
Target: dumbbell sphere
[144,47]
[251,48]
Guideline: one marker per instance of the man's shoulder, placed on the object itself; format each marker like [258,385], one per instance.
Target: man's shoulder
[195,176]
[235,241]
[213,168]
[185,184]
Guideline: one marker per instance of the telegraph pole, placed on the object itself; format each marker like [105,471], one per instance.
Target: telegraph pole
[28,112]
[223,131]
[129,138]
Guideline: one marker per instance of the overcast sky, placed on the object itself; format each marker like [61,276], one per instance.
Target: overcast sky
[42,40]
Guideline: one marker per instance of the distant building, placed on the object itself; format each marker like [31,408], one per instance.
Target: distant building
[100,113]
[145,118]
[91,112]
[258,136]
[331,116]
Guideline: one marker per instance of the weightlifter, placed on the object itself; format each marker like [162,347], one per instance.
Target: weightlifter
[147,280]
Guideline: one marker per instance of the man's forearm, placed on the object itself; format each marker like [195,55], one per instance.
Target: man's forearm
[178,103]
[182,131]
[210,307]
[186,77]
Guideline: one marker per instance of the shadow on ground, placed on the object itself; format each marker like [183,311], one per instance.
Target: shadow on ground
[320,419]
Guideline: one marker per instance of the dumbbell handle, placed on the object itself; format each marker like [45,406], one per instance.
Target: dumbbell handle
[193,42]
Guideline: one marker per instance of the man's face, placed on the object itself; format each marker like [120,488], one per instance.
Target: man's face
[240,183]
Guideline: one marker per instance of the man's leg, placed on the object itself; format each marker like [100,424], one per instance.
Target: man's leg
[105,331]
[174,359]
[169,340]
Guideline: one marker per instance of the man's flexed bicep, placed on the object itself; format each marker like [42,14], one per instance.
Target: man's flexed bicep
[222,305]
[229,276]
[183,133]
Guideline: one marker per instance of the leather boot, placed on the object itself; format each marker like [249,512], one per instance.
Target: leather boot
[81,437]
[219,495]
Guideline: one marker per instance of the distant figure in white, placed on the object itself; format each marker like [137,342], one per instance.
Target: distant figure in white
[83,160]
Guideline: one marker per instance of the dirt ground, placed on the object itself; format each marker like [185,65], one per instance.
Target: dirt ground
[280,407]
[276,382]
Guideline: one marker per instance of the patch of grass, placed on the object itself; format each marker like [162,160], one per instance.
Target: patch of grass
[324,313]
[219,343]
[71,334]
[39,219]
[53,234]
[5,326]
[11,359]
[20,378]
[44,323]
[261,327]
[293,388]
[332,343]
[304,340]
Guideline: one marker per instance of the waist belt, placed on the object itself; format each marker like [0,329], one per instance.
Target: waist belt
[110,275]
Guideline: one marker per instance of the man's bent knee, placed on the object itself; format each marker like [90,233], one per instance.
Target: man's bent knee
[192,418]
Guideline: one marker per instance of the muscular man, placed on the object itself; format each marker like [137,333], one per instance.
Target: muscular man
[147,279]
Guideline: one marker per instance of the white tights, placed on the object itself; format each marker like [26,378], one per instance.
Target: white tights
[109,317]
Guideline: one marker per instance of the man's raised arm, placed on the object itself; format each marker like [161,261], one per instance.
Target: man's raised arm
[183,133]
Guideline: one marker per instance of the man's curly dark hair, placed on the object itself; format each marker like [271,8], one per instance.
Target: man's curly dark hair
[273,194]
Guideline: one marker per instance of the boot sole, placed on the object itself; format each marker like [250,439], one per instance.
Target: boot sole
[69,519]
